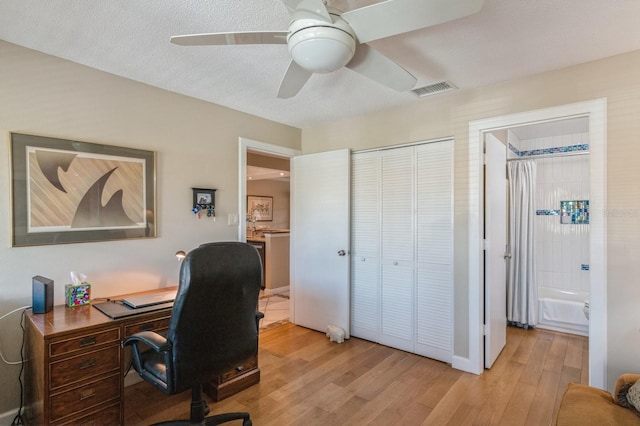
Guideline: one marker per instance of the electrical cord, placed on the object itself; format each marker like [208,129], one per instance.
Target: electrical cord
[108,299]
[23,308]
[17,420]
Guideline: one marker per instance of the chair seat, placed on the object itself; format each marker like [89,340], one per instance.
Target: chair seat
[154,365]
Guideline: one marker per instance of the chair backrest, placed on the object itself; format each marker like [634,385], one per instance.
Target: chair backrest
[213,325]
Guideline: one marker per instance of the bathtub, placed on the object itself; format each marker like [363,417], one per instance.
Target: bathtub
[562,310]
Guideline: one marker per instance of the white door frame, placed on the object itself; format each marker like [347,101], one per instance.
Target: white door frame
[244,145]
[596,111]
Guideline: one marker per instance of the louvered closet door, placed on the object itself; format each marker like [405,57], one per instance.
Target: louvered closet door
[434,250]
[402,248]
[397,248]
[365,245]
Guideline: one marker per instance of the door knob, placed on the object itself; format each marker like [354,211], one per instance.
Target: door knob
[342,253]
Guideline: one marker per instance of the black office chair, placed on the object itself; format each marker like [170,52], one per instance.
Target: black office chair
[213,326]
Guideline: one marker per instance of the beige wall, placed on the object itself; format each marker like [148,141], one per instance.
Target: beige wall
[196,144]
[618,80]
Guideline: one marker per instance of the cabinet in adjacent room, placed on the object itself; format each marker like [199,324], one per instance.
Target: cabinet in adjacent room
[402,248]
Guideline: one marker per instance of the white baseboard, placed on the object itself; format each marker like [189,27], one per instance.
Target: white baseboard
[7,417]
[278,290]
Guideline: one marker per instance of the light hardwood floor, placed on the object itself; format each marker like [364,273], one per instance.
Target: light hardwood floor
[307,380]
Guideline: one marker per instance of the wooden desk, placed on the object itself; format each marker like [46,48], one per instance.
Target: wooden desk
[75,366]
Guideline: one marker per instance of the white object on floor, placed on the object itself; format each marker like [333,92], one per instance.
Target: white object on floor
[335,333]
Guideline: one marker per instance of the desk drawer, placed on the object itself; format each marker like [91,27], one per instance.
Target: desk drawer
[158,324]
[85,366]
[103,417]
[84,397]
[85,342]
[239,370]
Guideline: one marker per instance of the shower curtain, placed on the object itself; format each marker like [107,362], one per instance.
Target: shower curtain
[522,286]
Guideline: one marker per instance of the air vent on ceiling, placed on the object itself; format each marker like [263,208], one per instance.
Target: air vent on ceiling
[432,89]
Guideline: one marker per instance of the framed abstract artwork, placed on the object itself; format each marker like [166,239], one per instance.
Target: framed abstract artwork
[66,191]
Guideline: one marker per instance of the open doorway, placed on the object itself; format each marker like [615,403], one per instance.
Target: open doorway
[267,219]
[595,113]
[264,200]
[544,276]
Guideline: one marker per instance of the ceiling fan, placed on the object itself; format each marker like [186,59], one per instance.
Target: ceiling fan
[322,39]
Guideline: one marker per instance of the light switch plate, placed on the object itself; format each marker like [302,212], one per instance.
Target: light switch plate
[232,219]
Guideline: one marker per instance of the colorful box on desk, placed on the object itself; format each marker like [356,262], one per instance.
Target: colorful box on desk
[77,295]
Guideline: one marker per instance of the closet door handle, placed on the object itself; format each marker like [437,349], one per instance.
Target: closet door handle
[342,253]
[507,255]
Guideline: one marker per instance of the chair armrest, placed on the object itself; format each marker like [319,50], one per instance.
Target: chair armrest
[259,316]
[152,339]
[156,342]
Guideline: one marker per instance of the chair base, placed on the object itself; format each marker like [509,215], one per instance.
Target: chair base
[199,409]
[212,420]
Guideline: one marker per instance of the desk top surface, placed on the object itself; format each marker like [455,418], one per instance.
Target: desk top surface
[62,319]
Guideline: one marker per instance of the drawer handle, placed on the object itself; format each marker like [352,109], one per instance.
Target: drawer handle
[86,394]
[88,341]
[239,368]
[87,364]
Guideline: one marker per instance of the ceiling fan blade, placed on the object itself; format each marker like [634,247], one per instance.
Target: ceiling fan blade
[293,80]
[214,39]
[394,17]
[307,9]
[374,65]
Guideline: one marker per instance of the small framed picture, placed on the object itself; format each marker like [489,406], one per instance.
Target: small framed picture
[260,208]
[204,197]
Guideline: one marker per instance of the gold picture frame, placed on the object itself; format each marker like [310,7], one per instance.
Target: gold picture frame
[260,208]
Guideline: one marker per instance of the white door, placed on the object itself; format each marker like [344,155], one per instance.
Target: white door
[320,197]
[495,274]
[397,235]
[365,245]
[434,250]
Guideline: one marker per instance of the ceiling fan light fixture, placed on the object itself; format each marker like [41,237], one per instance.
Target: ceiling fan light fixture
[320,48]
[322,39]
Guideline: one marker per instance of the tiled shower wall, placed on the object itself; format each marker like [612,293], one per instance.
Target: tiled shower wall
[562,250]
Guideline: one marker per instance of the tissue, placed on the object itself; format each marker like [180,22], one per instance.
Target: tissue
[78,293]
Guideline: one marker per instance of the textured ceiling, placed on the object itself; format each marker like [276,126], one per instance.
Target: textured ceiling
[507,39]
